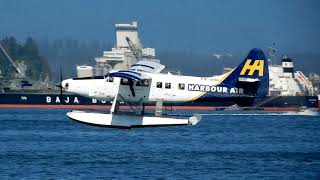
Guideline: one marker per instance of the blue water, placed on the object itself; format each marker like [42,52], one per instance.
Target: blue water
[44,144]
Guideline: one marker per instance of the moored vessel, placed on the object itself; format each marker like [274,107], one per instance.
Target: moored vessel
[288,90]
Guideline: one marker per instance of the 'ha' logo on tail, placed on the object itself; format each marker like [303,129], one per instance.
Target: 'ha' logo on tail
[256,66]
[252,75]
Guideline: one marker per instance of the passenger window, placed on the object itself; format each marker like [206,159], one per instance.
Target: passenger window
[168,86]
[181,86]
[124,82]
[159,84]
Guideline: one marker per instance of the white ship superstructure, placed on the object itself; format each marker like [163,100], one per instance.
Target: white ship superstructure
[84,71]
[285,82]
[127,51]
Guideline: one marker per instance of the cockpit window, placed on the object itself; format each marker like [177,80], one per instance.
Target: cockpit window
[110,79]
[66,86]
[144,83]
[124,82]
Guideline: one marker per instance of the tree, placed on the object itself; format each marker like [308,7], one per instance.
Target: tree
[30,48]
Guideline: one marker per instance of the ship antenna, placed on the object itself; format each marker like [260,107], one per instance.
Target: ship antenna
[272,51]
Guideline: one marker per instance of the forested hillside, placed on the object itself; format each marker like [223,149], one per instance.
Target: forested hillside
[26,57]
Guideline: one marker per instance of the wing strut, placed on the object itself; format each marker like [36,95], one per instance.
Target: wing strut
[131,87]
[115,105]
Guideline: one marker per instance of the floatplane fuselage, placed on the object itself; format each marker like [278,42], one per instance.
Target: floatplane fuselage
[143,83]
[167,87]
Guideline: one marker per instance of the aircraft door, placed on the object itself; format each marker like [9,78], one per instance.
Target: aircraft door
[156,90]
[168,91]
[111,87]
[142,89]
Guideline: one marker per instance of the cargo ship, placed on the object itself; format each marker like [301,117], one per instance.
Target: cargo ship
[53,99]
[288,90]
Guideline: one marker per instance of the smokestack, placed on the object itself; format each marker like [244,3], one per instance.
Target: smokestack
[287,66]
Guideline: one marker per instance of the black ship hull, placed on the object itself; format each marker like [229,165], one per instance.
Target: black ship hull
[55,100]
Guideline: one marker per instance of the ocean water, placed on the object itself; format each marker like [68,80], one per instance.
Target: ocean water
[45,144]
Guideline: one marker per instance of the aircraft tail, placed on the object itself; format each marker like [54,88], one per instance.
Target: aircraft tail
[252,75]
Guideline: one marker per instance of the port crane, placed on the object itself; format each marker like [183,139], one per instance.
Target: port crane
[135,50]
[17,70]
[19,74]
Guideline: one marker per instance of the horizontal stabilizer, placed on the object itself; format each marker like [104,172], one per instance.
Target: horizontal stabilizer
[241,79]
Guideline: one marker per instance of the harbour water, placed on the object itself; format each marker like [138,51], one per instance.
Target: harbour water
[45,144]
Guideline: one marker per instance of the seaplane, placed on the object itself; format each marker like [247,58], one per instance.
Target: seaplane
[144,83]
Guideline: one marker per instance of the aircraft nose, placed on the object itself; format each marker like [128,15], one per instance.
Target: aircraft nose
[65,84]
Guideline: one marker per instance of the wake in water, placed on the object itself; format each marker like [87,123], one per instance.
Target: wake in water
[313,113]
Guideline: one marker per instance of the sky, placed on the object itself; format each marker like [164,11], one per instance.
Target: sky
[171,25]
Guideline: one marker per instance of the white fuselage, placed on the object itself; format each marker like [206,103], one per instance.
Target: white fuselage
[165,87]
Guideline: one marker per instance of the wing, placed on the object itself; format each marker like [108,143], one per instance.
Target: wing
[129,74]
[138,71]
[148,66]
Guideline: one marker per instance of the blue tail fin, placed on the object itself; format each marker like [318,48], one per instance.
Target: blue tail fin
[251,75]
